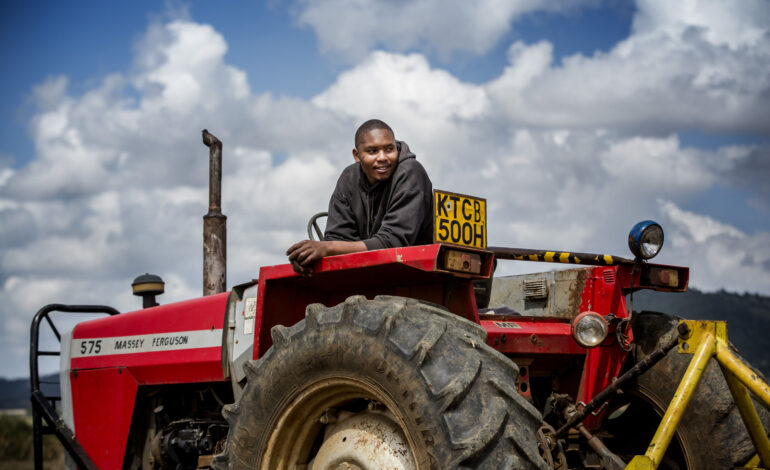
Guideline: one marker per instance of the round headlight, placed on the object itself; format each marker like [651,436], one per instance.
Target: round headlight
[646,239]
[589,329]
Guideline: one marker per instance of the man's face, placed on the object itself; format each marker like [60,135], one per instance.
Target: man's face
[377,154]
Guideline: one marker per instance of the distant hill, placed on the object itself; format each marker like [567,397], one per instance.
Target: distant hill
[748,317]
[15,393]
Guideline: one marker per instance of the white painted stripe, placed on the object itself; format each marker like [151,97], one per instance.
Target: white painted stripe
[64,381]
[89,347]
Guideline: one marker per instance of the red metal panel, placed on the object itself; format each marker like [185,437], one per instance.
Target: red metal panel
[201,364]
[410,272]
[604,294]
[602,364]
[167,367]
[103,402]
[599,295]
[421,257]
[531,336]
[195,314]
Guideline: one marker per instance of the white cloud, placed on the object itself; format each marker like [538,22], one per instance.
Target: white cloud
[686,65]
[182,63]
[48,94]
[354,27]
[658,165]
[745,25]
[392,83]
[720,256]
[5,175]
[697,228]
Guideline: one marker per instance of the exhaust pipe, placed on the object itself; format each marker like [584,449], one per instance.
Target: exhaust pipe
[214,223]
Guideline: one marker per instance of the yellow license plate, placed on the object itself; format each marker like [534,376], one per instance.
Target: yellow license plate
[459,219]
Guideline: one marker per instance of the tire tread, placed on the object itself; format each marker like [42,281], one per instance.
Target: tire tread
[486,422]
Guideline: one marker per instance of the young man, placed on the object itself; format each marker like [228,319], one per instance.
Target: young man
[383,200]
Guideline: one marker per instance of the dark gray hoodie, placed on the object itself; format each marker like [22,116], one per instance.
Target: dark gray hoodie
[387,214]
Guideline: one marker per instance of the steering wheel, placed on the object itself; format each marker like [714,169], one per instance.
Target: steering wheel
[313,225]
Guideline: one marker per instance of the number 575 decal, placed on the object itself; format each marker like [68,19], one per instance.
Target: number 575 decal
[90,346]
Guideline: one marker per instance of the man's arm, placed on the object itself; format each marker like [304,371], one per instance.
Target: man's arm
[304,253]
[341,234]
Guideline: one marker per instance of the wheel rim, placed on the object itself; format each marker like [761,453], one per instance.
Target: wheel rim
[643,415]
[317,419]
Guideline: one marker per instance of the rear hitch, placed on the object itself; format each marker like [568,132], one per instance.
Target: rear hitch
[610,461]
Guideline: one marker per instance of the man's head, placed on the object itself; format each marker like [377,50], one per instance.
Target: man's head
[375,149]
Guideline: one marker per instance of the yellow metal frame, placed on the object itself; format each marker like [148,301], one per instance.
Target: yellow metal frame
[708,339]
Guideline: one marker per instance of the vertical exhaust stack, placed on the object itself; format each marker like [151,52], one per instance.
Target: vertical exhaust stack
[214,224]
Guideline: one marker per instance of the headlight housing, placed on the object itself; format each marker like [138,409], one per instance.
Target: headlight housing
[646,239]
[589,329]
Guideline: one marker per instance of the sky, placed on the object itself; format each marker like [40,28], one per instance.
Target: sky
[573,119]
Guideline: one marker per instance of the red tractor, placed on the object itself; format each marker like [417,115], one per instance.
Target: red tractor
[404,358]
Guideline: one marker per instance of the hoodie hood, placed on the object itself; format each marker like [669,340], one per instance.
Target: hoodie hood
[403,151]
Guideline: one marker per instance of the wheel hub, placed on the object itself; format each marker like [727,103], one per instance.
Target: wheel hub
[332,416]
[363,441]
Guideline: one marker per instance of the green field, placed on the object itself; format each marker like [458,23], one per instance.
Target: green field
[16,445]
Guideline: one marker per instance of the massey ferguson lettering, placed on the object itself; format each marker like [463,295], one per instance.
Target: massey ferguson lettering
[170,341]
[128,344]
[146,343]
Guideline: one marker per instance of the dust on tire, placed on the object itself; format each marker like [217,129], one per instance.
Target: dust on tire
[453,395]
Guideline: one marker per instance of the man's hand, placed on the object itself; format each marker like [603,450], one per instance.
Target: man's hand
[299,269]
[303,254]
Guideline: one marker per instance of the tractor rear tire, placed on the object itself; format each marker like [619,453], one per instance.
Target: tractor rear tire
[711,434]
[452,397]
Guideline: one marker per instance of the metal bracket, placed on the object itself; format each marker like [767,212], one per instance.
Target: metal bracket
[704,340]
[43,407]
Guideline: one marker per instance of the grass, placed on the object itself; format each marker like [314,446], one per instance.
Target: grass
[16,449]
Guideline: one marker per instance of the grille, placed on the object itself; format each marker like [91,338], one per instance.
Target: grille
[535,289]
[609,277]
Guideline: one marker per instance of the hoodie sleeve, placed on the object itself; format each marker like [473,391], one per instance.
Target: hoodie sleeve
[341,223]
[408,207]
